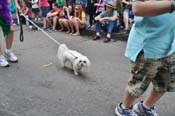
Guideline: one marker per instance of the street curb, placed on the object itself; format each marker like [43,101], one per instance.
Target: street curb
[121,35]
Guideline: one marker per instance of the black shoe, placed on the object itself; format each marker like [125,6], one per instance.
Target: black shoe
[96,37]
[107,40]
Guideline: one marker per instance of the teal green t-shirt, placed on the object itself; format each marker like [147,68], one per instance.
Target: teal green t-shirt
[155,35]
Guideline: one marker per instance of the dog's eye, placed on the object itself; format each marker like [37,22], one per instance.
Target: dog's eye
[84,61]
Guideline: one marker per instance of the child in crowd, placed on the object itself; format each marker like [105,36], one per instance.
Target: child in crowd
[64,22]
[35,9]
[44,6]
[52,16]
[78,21]
[27,12]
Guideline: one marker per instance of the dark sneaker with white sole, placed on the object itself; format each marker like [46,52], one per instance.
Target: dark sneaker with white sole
[119,111]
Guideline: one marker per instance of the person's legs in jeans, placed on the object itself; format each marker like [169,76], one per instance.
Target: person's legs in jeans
[109,27]
[98,28]
[90,19]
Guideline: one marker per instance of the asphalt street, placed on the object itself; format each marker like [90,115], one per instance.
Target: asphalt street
[38,86]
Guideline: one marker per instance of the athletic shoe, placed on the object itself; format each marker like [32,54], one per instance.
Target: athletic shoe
[119,111]
[10,56]
[96,37]
[3,62]
[140,110]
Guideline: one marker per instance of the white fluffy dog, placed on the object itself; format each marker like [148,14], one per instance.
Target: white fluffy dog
[78,61]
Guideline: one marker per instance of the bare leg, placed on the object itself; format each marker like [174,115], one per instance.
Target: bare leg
[66,24]
[48,21]
[38,14]
[126,20]
[9,38]
[61,24]
[76,24]
[71,26]
[44,22]
[54,22]
[152,98]
[128,99]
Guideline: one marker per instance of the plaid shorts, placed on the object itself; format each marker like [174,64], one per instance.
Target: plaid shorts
[160,72]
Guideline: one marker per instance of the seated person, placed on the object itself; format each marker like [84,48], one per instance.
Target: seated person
[27,12]
[52,16]
[107,20]
[78,20]
[127,14]
[64,22]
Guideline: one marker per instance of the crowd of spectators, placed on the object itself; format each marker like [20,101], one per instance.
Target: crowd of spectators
[73,16]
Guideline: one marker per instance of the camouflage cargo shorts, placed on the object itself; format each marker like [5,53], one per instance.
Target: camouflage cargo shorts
[161,73]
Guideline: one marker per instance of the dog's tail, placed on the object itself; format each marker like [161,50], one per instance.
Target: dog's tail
[62,48]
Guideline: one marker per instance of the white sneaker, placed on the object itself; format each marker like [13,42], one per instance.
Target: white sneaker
[10,56]
[3,61]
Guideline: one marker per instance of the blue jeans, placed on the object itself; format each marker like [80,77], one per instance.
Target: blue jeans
[109,27]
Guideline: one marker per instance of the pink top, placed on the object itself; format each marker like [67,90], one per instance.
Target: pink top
[101,8]
[43,3]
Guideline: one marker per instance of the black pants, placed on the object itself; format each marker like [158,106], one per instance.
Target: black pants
[91,11]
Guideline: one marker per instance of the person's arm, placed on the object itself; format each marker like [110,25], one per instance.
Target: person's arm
[100,17]
[52,14]
[26,10]
[67,12]
[97,4]
[113,18]
[17,5]
[126,2]
[97,18]
[152,8]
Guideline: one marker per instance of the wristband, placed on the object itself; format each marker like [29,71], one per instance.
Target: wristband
[172,6]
